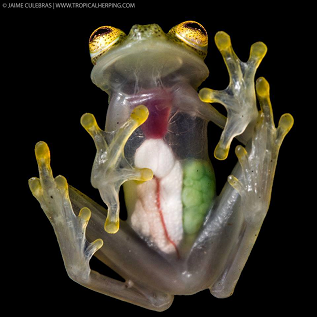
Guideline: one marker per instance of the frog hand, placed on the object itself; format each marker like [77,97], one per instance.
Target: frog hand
[258,166]
[111,169]
[239,97]
[70,229]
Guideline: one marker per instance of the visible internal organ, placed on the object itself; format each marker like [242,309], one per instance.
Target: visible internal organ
[159,103]
[199,190]
[157,212]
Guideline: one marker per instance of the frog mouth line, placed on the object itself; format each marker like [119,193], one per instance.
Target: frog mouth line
[146,64]
[103,49]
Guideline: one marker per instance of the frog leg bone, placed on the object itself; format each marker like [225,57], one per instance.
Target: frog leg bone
[239,97]
[254,184]
[111,169]
[53,195]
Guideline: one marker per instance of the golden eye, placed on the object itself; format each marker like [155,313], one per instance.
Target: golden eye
[193,34]
[102,39]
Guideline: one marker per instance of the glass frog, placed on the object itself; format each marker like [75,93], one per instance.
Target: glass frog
[179,237]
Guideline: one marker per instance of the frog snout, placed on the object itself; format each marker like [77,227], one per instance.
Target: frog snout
[140,32]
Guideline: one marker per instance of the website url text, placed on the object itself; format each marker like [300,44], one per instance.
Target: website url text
[68,5]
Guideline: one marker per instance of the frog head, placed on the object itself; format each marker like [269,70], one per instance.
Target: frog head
[147,57]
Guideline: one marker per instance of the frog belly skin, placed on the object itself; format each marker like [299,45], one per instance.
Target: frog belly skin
[157,212]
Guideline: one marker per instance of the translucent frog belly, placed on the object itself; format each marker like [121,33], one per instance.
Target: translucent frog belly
[155,206]
[176,200]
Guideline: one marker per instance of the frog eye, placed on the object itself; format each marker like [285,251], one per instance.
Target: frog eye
[193,34]
[102,39]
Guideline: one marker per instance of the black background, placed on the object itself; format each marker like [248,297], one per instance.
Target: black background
[46,88]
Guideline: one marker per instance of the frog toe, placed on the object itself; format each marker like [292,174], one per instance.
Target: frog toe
[258,163]
[286,121]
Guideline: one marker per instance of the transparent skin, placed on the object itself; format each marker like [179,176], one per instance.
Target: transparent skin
[179,237]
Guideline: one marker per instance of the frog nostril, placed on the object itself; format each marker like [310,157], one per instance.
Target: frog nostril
[136,28]
[136,31]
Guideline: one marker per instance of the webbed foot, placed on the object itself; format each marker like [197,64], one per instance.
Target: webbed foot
[70,229]
[111,169]
[258,166]
[239,97]
[258,163]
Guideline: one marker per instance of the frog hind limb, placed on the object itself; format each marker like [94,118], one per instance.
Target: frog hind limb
[254,184]
[70,230]
[239,97]
[258,164]
[111,169]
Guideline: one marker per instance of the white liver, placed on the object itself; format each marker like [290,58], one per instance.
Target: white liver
[158,208]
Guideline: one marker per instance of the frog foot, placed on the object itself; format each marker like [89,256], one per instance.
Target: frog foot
[239,97]
[70,229]
[259,163]
[111,169]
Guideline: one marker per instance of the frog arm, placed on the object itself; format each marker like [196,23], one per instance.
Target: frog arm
[70,229]
[253,183]
[111,169]
[238,98]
